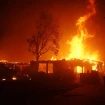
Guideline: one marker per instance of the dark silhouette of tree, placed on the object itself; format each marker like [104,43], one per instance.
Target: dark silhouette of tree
[46,36]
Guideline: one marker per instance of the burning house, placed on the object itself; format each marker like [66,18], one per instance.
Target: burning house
[78,66]
[80,59]
[67,68]
[12,70]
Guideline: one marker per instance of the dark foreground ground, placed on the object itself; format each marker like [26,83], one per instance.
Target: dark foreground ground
[32,92]
[84,95]
[49,93]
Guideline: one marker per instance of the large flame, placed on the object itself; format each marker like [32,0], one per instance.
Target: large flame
[78,48]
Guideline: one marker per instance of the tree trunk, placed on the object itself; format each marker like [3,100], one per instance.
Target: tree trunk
[37,62]
[37,58]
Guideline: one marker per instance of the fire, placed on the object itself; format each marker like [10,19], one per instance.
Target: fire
[78,48]
[3,61]
[79,69]
[53,58]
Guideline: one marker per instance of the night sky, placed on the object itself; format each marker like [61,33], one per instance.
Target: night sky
[17,23]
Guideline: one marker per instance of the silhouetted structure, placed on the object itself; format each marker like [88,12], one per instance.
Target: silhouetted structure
[64,69]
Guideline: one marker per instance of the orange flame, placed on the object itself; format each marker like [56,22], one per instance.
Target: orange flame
[78,48]
[53,58]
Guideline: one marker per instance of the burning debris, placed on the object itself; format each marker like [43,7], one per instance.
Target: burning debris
[13,70]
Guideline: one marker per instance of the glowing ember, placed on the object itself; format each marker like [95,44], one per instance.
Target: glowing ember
[3,79]
[14,78]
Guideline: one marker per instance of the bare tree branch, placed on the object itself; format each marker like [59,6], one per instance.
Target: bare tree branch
[46,36]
